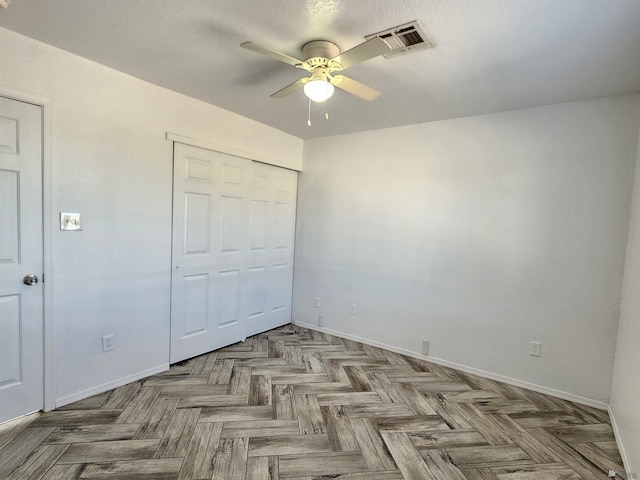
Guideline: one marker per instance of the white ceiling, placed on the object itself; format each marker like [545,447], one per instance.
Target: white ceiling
[490,55]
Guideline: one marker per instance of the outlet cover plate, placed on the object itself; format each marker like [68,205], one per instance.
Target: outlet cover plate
[425,347]
[107,343]
[70,221]
[535,349]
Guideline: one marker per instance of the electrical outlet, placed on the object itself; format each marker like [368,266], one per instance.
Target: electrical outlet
[320,320]
[535,348]
[425,347]
[107,343]
[352,309]
[316,302]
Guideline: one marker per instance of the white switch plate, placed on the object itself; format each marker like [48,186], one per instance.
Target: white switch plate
[107,343]
[535,349]
[352,309]
[70,221]
[316,302]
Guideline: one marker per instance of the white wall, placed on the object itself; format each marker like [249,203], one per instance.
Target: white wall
[478,234]
[111,162]
[625,392]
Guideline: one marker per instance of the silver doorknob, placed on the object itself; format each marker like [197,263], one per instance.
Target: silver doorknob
[30,279]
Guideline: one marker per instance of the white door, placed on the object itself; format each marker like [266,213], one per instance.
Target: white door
[21,318]
[272,213]
[233,230]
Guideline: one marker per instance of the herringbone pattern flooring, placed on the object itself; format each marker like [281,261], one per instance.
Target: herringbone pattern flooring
[299,405]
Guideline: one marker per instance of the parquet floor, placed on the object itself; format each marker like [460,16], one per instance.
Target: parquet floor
[296,404]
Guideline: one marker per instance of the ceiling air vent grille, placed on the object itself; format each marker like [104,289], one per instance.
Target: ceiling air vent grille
[404,39]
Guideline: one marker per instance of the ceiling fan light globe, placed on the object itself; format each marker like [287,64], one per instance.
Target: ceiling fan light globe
[318,90]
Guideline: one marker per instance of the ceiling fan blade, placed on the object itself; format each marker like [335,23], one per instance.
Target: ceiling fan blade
[355,88]
[363,52]
[254,47]
[289,89]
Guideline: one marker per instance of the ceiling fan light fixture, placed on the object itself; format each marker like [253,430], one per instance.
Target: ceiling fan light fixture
[318,90]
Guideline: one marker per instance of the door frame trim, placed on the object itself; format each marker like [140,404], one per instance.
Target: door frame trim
[49,366]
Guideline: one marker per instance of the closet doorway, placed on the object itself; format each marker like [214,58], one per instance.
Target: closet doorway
[232,250]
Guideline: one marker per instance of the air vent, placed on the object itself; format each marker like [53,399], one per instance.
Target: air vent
[404,39]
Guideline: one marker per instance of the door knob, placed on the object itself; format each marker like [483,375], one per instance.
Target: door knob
[30,279]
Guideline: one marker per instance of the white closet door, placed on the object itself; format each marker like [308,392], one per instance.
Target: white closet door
[232,263]
[272,199]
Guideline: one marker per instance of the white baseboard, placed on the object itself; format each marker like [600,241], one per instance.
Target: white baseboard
[74,397]
[464,368]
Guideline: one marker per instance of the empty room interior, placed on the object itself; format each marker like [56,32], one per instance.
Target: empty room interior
[319,239]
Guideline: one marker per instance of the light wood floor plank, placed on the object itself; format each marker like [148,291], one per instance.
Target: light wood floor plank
[198,461]
[221,373]
[38,462]
[309,414]
[177,437]
[584,433]
[158,418]
[283,402]
[262,468]
[411,424]
[15,451]
[536,472]
[407,458]
[489,456]
[230,461]
[109,451]
[92,433]
[262,428]
[234,414]
[385,388]
[338,427]
[321,464]
[441,465]
[77,417]
[259,390]
[63,472]
[375,453]
[288,445]
[9,430]
[536,450]
[138,408]
[414,400]
[447,439]
[569,456]
[599,458]
[155,469]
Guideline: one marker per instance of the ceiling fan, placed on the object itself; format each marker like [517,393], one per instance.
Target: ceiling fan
[323,59]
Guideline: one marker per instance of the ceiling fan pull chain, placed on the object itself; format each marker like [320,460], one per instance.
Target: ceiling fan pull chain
[309,117]
[326,113]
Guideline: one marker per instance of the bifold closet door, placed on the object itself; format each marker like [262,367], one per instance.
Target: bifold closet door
[232,262]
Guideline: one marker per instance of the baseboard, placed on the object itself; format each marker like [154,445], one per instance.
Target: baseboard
[74,397]
[616,432]
[464,368]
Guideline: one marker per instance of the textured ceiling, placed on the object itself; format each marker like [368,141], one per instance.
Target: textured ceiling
[490,55]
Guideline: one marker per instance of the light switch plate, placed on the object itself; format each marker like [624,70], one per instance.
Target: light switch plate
[70,221]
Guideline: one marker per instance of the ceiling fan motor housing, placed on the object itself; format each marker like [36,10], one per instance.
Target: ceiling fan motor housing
[320,49]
